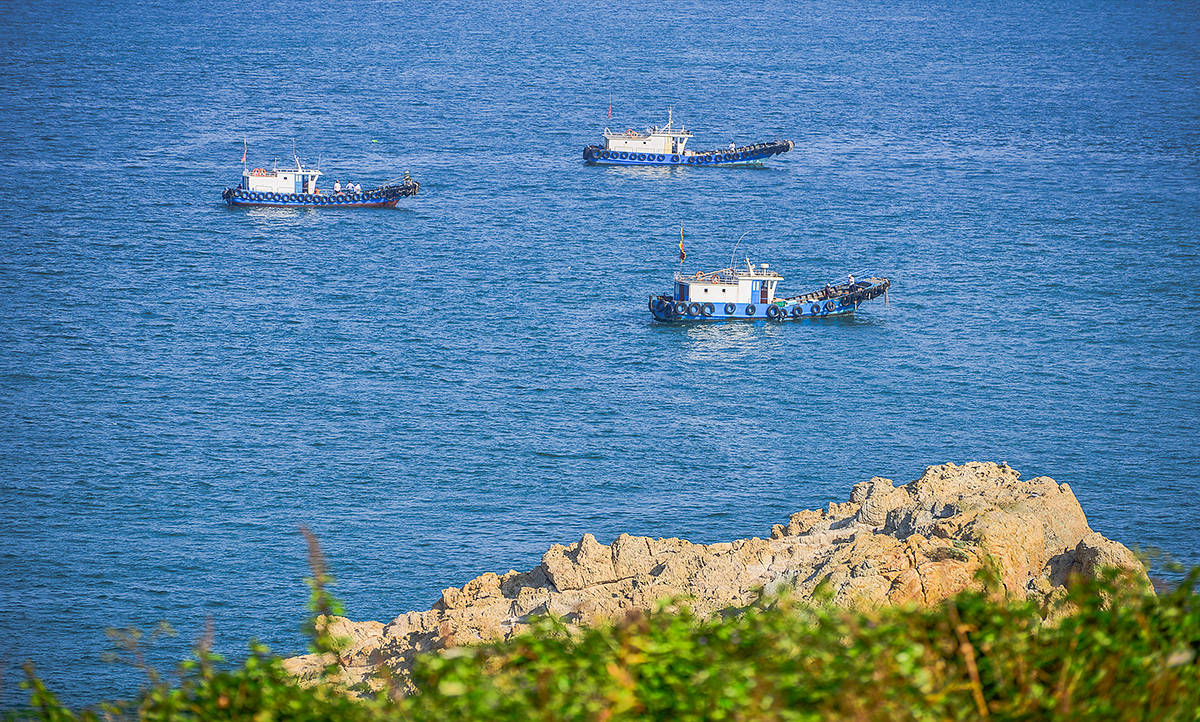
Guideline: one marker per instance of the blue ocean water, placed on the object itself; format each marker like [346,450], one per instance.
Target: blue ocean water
[449,387]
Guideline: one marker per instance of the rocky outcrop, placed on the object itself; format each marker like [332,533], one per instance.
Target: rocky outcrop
[921,542]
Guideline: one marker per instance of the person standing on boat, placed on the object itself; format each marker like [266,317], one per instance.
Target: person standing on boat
[851,279]
[337,186]
[731,146]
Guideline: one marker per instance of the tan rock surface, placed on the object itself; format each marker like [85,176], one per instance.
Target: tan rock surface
[921,542]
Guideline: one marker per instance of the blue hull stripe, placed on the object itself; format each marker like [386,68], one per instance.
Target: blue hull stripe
[243,203]
[594,155]
[787,313]
[382,197]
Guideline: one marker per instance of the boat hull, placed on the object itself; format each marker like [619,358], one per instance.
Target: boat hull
[667,310]
[242,203]
[746,155]
[386,197]
[844,301]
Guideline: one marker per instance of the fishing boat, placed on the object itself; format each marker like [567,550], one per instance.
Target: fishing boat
[666,146]
[747,293]
[297,188]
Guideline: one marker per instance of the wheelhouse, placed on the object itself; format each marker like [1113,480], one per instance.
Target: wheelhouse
[751,284]
[298,180]
[666,139]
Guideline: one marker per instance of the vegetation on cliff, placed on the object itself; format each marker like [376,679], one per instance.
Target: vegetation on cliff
[1112,650]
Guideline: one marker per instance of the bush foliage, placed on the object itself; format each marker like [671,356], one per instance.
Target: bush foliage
[1114,650]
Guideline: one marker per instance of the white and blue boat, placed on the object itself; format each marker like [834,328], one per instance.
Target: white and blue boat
[748,293]
[297,188]
[667,146]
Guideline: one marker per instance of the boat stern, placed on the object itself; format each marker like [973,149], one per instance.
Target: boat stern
[662,308]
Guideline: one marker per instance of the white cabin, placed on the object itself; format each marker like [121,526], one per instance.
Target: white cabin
[655,140]
[752,284]
[297,180]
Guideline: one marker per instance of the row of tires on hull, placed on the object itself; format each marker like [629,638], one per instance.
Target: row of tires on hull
[683,309]
[384,194]
[257,197]
[752,152]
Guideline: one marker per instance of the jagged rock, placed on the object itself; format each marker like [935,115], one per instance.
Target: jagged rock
[358,658]
[917,543]
[579,565]
[1094,552]
[879,497]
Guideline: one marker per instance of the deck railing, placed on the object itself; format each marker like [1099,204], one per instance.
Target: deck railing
[726,276]
[637,135]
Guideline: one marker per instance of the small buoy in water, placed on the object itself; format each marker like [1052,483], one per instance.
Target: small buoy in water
[374,141]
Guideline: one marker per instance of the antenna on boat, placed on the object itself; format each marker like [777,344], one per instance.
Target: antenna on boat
[298,168]
[243,154]
[735,247]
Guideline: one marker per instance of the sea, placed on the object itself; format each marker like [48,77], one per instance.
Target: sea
[449,387]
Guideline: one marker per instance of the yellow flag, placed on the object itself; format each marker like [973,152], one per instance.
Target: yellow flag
[682,254]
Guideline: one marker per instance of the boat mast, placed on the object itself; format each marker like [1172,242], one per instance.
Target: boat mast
[735,247]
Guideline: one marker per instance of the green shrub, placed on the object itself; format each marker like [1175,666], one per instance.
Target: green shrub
[1114,651]
[1118,653]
